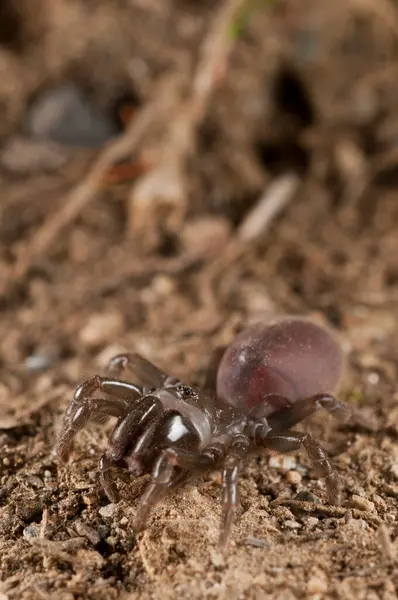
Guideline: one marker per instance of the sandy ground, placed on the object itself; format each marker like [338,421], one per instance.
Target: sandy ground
[309,91]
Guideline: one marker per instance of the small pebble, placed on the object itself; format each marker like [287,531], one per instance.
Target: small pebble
[66,115]
[111,540]
[34,481]
[123,521]
[38,362]
[108,511]
[306,496]
[317,585]
[362,503]
[291,524]
[285,463]
[293,477]
[217,559]
[394,470]
[31,531]
[86,531]
[47,474]
[311,522]
[162,285]
[379,502]
[373,378]
[101,328]
[6,461]
[89,499]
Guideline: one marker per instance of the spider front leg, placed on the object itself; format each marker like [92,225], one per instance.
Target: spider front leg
[164,475]
[293,440]
[230,497]
[87,409]
[149,374]
[119,389]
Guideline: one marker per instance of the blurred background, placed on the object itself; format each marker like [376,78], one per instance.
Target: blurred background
[169,172]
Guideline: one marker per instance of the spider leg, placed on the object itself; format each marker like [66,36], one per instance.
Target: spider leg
[87,409]
[293,414]
[106,481]
[148,373]
[292,440]
[119,389]
[210,382]
[137,427]
[167,472]
[230,496]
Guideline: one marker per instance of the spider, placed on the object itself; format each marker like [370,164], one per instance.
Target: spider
[271,377]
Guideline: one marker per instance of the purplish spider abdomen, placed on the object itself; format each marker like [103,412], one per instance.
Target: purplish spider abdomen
[290,357]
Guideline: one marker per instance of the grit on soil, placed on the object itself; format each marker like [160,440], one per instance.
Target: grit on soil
[308,95]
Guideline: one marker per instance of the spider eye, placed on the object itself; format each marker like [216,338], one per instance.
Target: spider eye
[185,391]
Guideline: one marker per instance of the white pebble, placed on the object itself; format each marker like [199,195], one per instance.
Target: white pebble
[362,503]
[108,511]
[282,462]
[291,524]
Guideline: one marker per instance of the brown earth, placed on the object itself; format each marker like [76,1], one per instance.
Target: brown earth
[308,89]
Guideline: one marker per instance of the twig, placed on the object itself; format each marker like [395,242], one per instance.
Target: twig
[215,51]
[272,202]
[337,512]
[163,190]
[258,221]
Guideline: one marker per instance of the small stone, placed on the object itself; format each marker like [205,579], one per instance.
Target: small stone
[31,531]
[47,474]
[65,114]
[362,503]
[306,496]
[311,522]
[123,521]
[291,524]
[379,502]
[6,461]
[293,477]
[101,328]
[284,463]
[89,499]
[162,285]
[111,540]
[39,362]
[394,470]
[217,559]
[317,585]
[86,531]
[108,511]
